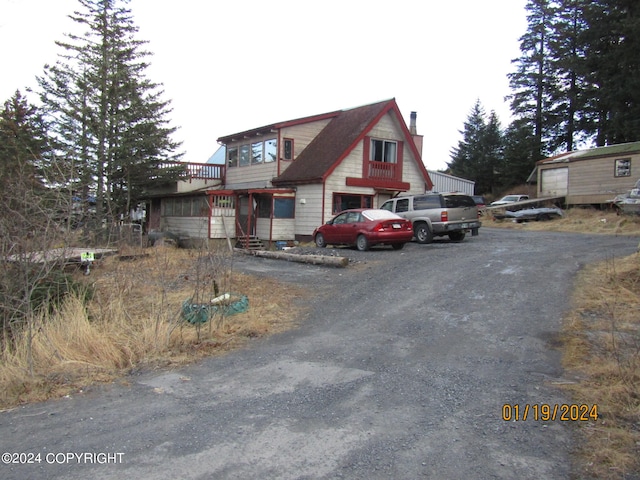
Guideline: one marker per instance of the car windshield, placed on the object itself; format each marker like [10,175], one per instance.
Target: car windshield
[510,198]
[379,214]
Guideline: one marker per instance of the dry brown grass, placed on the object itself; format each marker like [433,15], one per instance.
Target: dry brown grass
[602,350]
[577,220]
[134,321]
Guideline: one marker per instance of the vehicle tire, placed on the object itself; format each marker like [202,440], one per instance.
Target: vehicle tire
[397,246]
[543,217]
[423,233]
[457,236]
[362,244]
[320,241]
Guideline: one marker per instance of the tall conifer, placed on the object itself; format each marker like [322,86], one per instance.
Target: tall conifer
[109,118]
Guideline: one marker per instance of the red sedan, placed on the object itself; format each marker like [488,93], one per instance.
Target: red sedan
[364,227]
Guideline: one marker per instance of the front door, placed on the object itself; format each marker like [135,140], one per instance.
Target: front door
[246,217]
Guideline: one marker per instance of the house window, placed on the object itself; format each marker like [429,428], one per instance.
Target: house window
[167,207]
[343,201]
[263,208]
[270,150]
[233,157]
[288,149]
[383,151]
[623,167]
[256,153]
[284,207]
[245,157]
[185,207]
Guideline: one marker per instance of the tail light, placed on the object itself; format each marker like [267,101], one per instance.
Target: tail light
[444,216]
[381,227]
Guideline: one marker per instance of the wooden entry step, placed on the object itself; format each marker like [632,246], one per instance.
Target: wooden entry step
[249,243]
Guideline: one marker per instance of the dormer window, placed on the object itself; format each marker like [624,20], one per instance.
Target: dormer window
[383,151]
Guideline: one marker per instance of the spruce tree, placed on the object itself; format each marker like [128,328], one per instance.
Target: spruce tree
[110,119]
[25,167]
[572,89]
[520,149]
[533,82]
[613,66]
[478,155]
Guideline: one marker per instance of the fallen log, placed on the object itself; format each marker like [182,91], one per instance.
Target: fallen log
[292,257]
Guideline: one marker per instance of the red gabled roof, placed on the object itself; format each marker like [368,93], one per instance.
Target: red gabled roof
[337,139]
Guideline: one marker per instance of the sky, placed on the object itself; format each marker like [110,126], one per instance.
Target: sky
[230,66]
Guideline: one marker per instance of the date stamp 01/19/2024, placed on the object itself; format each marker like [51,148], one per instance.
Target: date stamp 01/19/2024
[544,412]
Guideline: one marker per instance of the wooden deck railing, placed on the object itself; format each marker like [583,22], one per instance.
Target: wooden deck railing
[200,171]
[382,170]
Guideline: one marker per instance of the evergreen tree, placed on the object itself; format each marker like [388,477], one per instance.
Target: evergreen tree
[492,155]
[533,82]
[613,60]
[478,155]
[567,57]
[109,118]
[31,179]
[520,150]
[23,154]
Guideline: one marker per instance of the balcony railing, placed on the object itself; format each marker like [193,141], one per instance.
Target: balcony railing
[383,170]
[199,171]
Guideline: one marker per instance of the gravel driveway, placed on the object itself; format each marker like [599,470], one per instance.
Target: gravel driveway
[400,370]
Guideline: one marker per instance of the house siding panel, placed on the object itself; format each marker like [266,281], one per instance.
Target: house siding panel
[302,134]
[596,177]
[220,227]
[280,228]
[253,176]
[309,209]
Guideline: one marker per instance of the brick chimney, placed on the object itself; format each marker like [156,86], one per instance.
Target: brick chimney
[413,130]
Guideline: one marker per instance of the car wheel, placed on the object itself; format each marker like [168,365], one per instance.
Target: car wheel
[320,241]
[543,217]
[423,233]
[362,243]
[397,246]
[456,236]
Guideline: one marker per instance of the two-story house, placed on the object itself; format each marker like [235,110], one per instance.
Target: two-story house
[281,181]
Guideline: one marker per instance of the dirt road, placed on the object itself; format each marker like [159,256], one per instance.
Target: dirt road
[401,370]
